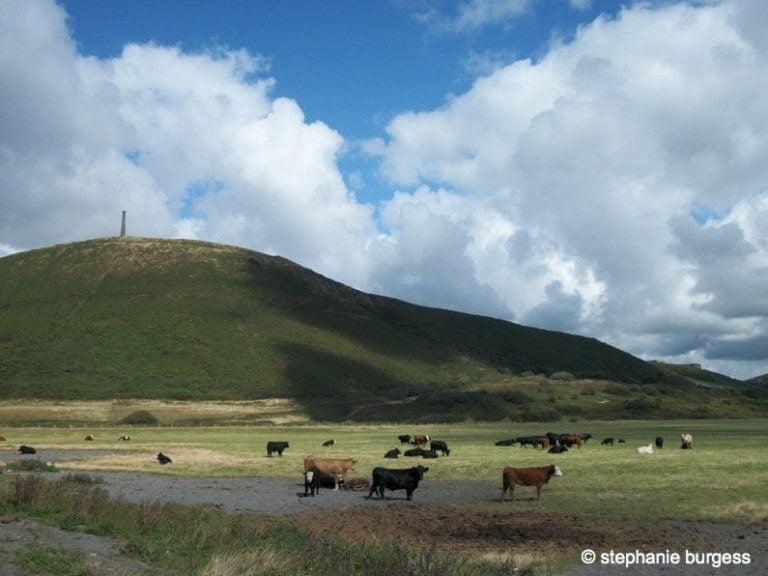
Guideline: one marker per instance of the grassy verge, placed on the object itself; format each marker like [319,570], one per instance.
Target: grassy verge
[206,542]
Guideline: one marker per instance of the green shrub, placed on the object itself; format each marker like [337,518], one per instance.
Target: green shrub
[140,418]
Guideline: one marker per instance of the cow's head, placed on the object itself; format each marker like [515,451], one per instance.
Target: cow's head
[556,470]
[420,471]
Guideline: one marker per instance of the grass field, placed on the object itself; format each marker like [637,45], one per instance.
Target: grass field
[723,478]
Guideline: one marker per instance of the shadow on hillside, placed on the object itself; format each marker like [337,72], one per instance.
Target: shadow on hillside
[380,324]
[334,388]
[330,387]
[408,331]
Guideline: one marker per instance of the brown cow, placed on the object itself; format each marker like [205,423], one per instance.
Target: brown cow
[570,439]
[357,484]
[537,476]
[336,468]
[421,439]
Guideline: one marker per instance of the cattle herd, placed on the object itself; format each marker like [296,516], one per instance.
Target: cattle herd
[332,472]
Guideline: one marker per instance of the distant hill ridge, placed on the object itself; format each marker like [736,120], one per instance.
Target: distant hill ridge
[180,319]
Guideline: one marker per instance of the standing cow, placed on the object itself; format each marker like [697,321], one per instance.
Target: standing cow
[537,476]
[421,439]
[335,469]
[439,446]
[403,479]
[686,441]
[276,446]
[311,483]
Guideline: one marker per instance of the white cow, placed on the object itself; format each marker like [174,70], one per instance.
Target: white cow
[687,441]
[645,449]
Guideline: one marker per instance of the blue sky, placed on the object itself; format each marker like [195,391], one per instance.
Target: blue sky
[590,167]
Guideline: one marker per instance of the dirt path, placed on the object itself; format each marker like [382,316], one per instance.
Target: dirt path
[448,515]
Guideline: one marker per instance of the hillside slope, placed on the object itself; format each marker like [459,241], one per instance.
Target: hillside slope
[177,319]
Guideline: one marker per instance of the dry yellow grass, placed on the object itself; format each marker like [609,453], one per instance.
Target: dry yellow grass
[279,411]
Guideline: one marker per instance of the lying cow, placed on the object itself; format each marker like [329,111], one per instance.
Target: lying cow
[428,454]
[89,438]
[124,438]
[439,445]
[357,484]
[163,459]
[507,442]
[645,449]
[404,479]
[329,443]
[276,446]
[686,441]
[335,468]
[557,449]
[24,449]
[607,442]
[394,453]
[311,483]
[414,452]
[537,476]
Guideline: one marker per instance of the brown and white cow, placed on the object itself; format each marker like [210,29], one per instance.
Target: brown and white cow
[537,476]
[336,468]
[421,439]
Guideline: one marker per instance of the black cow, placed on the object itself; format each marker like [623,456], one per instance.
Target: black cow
[124,438]
[329,443]
[508,442]
[414,452]
[311,483]
[441,446]
[557,449]
[163,459]
[393,453]
[405,479]
[607,442]
[24,449]
[404,438]
[274,446]
[429,454]
[659,442]
[622,441]
[532,441]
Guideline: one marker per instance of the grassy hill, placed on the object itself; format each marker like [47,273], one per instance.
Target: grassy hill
[185,320]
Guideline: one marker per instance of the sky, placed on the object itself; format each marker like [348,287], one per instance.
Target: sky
[587,166]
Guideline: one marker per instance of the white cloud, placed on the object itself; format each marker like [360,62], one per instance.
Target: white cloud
[593,160]
[472,15]
[190,145]
[616,187]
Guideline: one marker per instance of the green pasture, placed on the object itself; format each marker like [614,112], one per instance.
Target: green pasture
[724,477]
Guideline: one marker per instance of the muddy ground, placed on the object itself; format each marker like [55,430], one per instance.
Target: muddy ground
[450,516]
